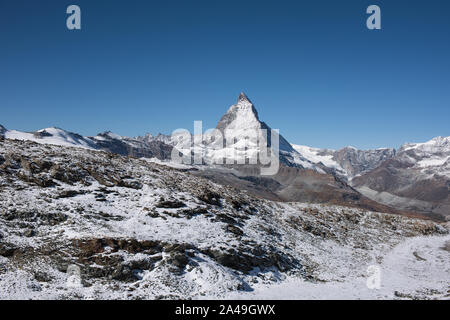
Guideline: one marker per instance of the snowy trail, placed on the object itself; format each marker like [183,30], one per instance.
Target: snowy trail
[416,268]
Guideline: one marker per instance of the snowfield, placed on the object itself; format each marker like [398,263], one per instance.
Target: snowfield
[52,136]
[137,229]
[323,156]
[417,268]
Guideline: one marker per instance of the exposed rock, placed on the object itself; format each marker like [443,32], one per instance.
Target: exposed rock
[70,193]
[8,250]
[416,179]
[29,233]
[235,230]
[170,204]
[210,197]
[447,246]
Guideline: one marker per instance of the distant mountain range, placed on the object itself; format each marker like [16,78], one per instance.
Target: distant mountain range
[107,141]
[347,162]
[415,178]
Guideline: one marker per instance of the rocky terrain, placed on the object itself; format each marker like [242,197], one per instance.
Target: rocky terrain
[136,229]
[414,178]
[417,178]
[107,141]
[346,163]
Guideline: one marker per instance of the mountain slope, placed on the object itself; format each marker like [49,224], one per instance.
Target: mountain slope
[243,121]
[322,157]
[106,141]
[347,162]
[416,178]
[138,230]
[240,138]
[134,147]
[54,136]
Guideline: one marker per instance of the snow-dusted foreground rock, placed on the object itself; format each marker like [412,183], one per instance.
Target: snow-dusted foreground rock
[141,230]
[417,268]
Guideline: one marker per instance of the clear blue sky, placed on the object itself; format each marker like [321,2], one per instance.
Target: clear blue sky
[312,68]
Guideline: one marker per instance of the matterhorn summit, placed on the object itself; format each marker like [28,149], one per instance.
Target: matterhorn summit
[242,123]
[241,116]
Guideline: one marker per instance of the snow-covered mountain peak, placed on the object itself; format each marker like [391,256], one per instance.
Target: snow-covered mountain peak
[435,145]
[55,136]
[51,129]
[56,132]
[149,138]
[242,115]
[242,122]
[440,140]
[243,99]
[110,135]
[431,157]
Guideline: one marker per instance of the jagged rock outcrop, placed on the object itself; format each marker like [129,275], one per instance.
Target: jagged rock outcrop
[355,161]
[138,148]
[348,162]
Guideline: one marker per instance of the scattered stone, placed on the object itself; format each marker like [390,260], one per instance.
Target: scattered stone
[29,233]
[170,204]
[130,183]
[210,197]
[235,230]
[419,258]
[42,276]
[70,193]
[403,295]
[8,250]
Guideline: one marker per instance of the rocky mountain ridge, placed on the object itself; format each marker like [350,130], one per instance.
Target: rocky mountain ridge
[416,178]
[107,141]
[347,162]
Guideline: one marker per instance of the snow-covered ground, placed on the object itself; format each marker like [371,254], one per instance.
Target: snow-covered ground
[136,229]
[417,268]
[54,136]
